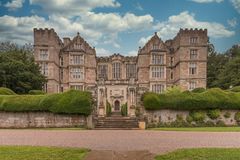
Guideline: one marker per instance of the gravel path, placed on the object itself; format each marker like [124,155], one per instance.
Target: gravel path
[117,140]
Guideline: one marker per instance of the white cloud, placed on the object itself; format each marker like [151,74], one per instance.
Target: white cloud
[72,7]
[232,22]
[170,28]
[20,29]
[14,5]
[107,26]
[103,52]
[113,22]
[207,1]
[143,40]
[236,4]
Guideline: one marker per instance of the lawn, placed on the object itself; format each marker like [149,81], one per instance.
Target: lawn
[201,129]
[41,153]
[202,154]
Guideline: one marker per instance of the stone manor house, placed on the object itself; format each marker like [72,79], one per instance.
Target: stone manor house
[118,79]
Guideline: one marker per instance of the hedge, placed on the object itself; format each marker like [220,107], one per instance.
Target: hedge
[214,98]
[235,89]
[36,92]
[6,91]
[71,102]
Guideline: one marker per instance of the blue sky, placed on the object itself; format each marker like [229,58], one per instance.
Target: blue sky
[121,26]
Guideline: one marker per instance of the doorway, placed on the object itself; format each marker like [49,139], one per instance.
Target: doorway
[117,105]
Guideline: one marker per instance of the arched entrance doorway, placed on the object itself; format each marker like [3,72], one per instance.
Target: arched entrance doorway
[117,105]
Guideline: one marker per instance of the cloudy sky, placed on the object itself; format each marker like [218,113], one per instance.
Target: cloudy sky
[120,26]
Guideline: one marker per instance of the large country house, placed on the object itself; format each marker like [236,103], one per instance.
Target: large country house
[118,79]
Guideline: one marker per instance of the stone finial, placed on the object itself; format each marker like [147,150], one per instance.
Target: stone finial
[78,33]
[155,33]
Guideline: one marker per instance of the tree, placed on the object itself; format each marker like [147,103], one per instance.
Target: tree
[215,64]
[230,76]
[223,69]
[18,70]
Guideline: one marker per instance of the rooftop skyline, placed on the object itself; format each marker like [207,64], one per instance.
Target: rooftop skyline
[120,26]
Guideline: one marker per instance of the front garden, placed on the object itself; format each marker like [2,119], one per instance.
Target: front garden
[70,102]
[199,108]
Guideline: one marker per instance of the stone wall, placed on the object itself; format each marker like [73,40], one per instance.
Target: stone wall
[40,120]
[168,116]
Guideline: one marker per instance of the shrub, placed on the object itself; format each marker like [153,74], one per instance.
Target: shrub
[173,90]
[179,117]
[227,115]
[21,103]
[220,123]
[71,102]
[198,90]
[108,108]
[124,109]
[36,92]
[209,124]
[237,117]
[214,98]
[235,89]
[214,114]
[189,119]
[6,91]
[198,116]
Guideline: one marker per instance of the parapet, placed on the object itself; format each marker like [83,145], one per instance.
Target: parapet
[192,31]
[41,35]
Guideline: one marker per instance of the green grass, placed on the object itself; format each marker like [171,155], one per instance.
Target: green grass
[41,153]
[202,154]
[201,129]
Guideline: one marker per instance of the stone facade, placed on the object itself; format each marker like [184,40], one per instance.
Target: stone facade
[118,79]
[40,120]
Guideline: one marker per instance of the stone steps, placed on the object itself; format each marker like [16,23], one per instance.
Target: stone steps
[116,121]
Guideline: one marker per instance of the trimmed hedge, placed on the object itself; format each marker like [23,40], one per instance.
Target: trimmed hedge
[36,92]
[6,91]
[214,98]
[235,89]
[71,102]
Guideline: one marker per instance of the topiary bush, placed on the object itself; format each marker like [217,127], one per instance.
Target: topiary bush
[214,114]
[36,92]
[198,90]
[6,91]
[235,89]
[23,103]
[124,109]
[214,98]
[71,102]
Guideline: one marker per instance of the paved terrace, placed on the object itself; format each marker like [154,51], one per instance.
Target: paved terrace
[120,140]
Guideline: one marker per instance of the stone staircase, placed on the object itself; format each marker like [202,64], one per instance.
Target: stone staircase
[116,121]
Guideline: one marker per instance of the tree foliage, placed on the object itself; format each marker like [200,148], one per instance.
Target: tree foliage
[223,69]
[18,70]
